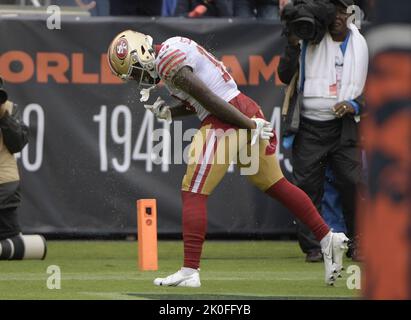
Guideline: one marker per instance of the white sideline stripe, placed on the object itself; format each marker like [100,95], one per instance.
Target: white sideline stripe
[264,276]
[208,153]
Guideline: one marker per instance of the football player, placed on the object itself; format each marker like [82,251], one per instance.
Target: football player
[203,85]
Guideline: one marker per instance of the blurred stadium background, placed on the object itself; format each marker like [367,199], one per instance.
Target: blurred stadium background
[91,157]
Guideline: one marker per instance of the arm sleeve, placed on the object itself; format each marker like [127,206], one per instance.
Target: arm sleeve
[14,131]
[358,104]
[289,63]
[172,59]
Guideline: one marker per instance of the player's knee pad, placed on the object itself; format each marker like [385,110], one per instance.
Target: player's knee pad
[22,247]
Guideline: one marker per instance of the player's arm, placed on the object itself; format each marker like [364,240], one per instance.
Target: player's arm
[181,111]
[162,111]
[188,82]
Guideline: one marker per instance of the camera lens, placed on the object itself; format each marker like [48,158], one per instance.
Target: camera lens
[304,28]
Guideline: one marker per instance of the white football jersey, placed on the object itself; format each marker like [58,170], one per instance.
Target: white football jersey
[178,52]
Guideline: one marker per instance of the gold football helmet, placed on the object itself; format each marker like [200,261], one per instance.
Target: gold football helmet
[131,57]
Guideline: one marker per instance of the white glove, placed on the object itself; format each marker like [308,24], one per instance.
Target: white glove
[262,129]
[160,110]
[145,94]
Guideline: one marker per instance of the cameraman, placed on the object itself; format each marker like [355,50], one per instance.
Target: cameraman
[331,78]
[13,138]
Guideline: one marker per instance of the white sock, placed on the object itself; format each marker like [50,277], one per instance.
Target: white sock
[188,271]
[324,241]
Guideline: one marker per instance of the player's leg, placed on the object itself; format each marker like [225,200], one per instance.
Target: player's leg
[202,177]
[270,179]
[210,155]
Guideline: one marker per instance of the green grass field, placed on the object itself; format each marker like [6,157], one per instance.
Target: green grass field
[230,270]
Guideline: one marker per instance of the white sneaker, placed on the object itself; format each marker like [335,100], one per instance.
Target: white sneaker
[333,246]
[326,249]
[340,245]
[180,279]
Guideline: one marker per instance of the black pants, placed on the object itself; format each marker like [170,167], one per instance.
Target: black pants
[9,224]
[9,202]
[135,8]
[317,144]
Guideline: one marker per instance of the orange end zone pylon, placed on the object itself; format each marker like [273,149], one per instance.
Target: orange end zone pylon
[147,234]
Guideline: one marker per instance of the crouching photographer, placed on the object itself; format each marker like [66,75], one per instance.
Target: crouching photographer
[325,64]
[13,138]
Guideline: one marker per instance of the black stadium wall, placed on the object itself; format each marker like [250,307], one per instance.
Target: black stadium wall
[91,153]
